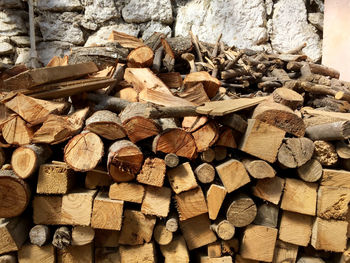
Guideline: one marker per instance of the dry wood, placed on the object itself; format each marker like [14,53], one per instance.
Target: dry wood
[267,215]
[189,57]
[225,259]
[173,80]
[337,178]
[140,57]
[224,229]
[315,68]
[226,138]
[47,210]
[58,61]
[226,171]
[169,58]
[269,189]
[137,228]
[220,153]
[172,223]
[171,160]
[106,124]
[83,152]
[129,192]
[205,173]
[35,77]
[124,160]
[195,94]
[295,228]
[106,255]
[262,140]
[280,116]
[193,123]
[125,40]
[288,98]
[161,235]
[128,94]
[285,252]
[208,155]
[156,201]
[106,238]
[329,131]
[2,157]
[259,243]
[258,169]
[107,213]
[215,197]
[221,108]
[62,237]
[152,172]
[211,85]
[13,234]
[234,121]
[332,202]
[82,235]
[343,149]
[182,178]
[34,111]
[190,204]
[175,141]
[55,179]
[206,136]
[39,235]
[31,253]
[57,129]
[311,171]
[242,211]
[14,194]
[76,254]
[141,253]
[214,250]
[97,178]
[310,260]
[136,122]
[176,251]
[197,232]
[325,153]
[299,197]
[329,235]
[26,159]
[295,152]
[15,131]
[157,60]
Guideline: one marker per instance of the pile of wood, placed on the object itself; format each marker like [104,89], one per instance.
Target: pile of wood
[179,151]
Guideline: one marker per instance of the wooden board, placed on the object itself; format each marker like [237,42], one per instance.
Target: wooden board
[221,108]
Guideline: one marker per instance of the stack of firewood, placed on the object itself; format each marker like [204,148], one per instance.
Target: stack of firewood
[179,151]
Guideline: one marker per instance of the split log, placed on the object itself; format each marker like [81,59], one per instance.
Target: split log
[241,212]
[62,237]
[332,202]
[205,173]
[267,215]
[124,160]
[169,58]
[193,123]
[107,213]
[152,172]
[262,140]
[157,60]
[173,80]
[15,131]
[259,169]
[176,251]
[136,122]
[141,253]
[269,189]
[190,204]
[77,254]
[106,124]
[215,197]
[128,192]
[83,152]
[182,178]
[26,159]
[161,235]
[226,138]
[208,155]
[299,197]
[125,40]
[156,201]
[343,150]
[206,136]
[175,141]
[295,152]
[329,131]
[55,179]
[311,171]
[57,129]
[195,94]
[34,111]
[259,243]
[140,57]
[225,171]
[171,160]
[214,250]
[288,98]
[47,210]
[30,253]
[14,194]
[329,235]
[13,234]
[295,228]
[285,252]
[39,235]
[224,229]
[211,84]
[128,94]
[220,153]
[325,153]
[172,223]
[280,116]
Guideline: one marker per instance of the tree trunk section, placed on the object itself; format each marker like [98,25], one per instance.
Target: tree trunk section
[329,131]
[241,212]
[39,235]
[140,57]
[295,152]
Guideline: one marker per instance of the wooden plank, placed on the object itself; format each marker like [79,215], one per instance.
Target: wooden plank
[221,108]
[156,201]
[31,253]
[35,77]
[181,178]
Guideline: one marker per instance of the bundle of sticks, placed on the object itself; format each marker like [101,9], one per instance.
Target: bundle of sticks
[179,151]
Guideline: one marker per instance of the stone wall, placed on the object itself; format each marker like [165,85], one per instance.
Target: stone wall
[272,25]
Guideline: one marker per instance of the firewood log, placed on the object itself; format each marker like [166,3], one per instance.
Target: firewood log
[106,124]
[241,212]
[171,160]
[39,235]
[329,131]
[44,254]
[26,159]
[152,172]
[211,84]
[124,160]
[62,237]
[83,152]
[172,223]
[14,194]
[311,171]
[205,173]
[15,131]
[224,229]
[140,57]
[259,169]
[176,251]
[206,136]
[208,155]
[288,98]
[161,235]
[325,153]
[215,197]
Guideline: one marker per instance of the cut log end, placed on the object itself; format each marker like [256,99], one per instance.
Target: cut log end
[162,235]
[205,173]
[141,57]
[241,212]
[171,160]
[224,229]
